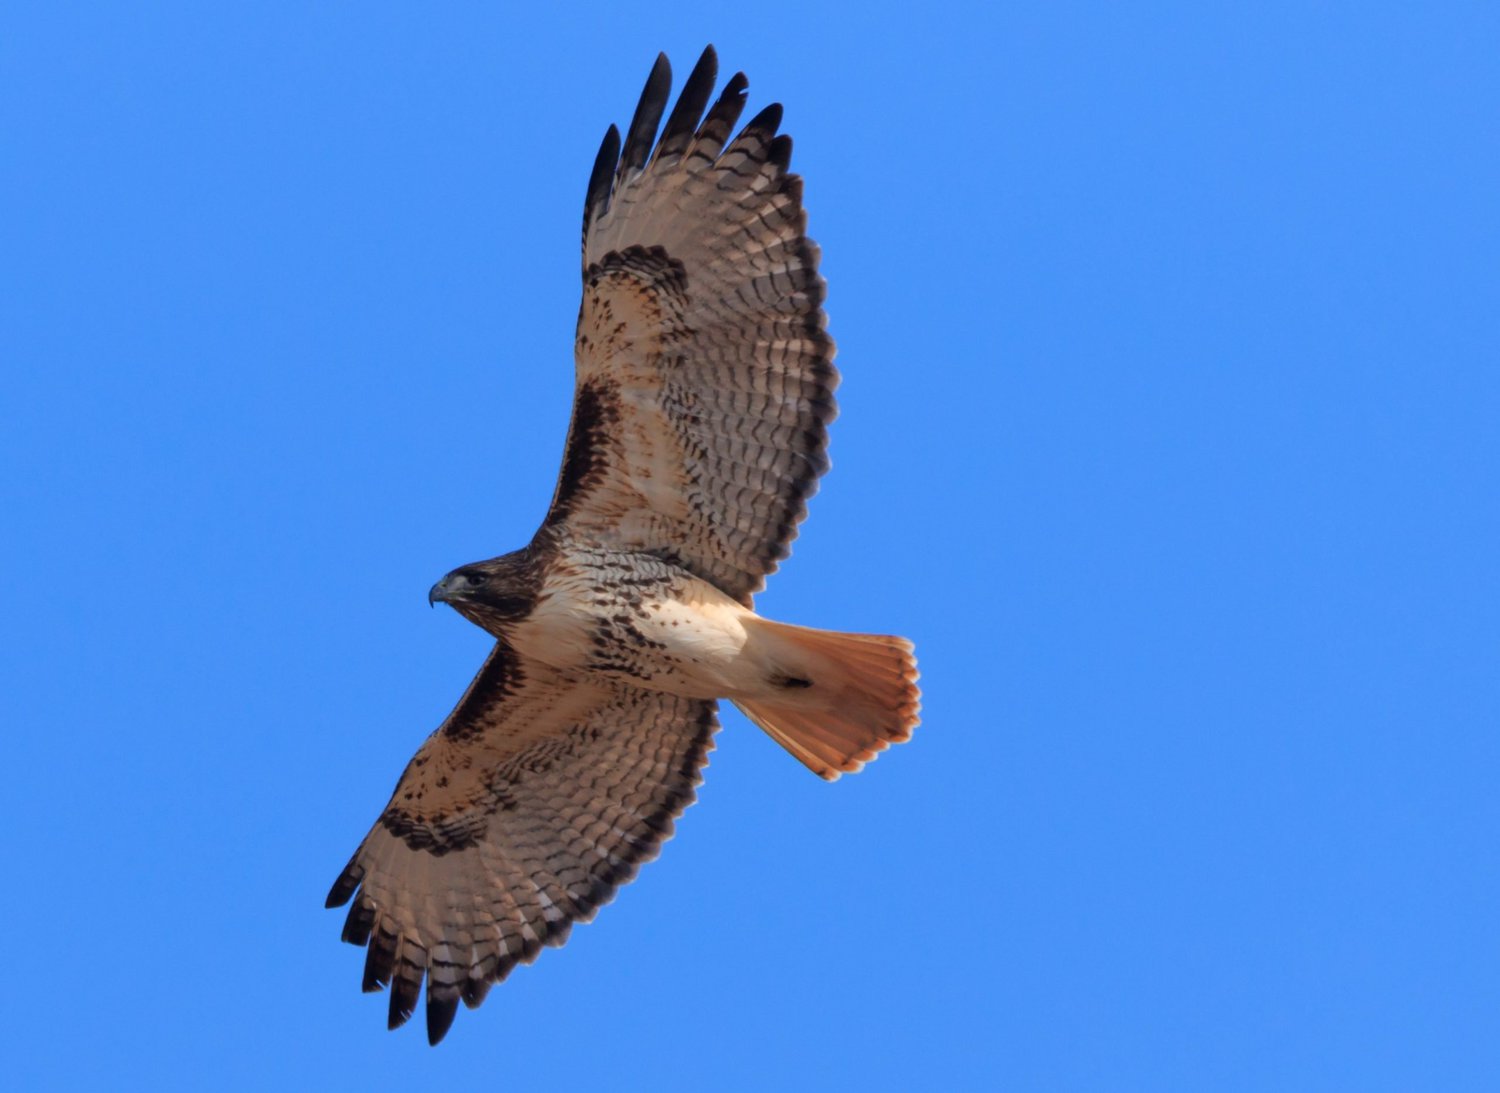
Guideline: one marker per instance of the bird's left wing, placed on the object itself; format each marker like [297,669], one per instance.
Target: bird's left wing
[522,814]
[704,375]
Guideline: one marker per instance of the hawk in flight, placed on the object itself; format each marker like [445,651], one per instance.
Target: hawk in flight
[704,390]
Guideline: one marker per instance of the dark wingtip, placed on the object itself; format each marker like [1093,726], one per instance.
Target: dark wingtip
[476,989]
[648,111]
[440,1014]
[597,197]
[767,121]
[360,922]
[682,123]
[404,994]
[780,151]
[345,886]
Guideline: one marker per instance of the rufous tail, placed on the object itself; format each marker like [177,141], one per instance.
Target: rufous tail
[834,700]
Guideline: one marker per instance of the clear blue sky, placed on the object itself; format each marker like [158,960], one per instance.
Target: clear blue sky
[1172,393]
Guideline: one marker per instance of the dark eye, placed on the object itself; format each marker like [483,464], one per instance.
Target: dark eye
[475,579]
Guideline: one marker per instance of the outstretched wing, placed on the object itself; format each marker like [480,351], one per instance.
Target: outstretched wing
[537,798]
[704,375]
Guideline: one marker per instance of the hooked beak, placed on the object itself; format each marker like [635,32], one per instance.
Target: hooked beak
[438,593]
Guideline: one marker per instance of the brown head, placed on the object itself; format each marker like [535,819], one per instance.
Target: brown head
[491,594]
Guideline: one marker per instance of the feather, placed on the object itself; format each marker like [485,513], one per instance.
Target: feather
[716,127]
[406,982]
[682,125]
[596,200]
[359,923]
[648,112]
[536,756]
[701,328]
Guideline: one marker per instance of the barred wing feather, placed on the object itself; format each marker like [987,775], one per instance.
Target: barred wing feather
[704,374]
[521,815]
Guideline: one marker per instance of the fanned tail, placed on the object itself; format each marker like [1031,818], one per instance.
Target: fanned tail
[834,700]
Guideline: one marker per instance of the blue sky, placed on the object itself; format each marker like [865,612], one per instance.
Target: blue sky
[1169,433]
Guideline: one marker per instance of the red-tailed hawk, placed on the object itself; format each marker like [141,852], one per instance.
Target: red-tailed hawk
[704,388]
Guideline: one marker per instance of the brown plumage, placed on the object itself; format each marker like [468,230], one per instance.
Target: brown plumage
[704,388]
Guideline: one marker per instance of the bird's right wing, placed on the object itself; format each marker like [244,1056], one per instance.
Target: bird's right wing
[522,814]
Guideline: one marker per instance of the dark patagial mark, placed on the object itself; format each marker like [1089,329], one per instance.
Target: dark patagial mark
[500,677]
[595,411]
[647,271]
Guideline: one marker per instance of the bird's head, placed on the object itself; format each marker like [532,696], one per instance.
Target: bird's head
[488,594]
